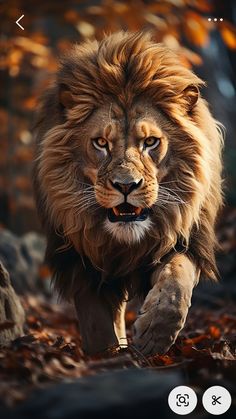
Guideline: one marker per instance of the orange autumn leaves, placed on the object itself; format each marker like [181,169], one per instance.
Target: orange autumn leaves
[228,33]
[172,22]
[196,29]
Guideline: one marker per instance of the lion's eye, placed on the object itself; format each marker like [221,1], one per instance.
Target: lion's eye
[151,142]
[100,143]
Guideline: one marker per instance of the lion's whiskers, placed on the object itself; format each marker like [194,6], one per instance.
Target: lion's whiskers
[169,196]
[87,202]
[178,189]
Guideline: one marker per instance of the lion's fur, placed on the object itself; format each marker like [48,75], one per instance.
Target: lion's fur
[121,69]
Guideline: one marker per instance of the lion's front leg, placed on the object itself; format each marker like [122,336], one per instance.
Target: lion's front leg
[166,306]
[95,317]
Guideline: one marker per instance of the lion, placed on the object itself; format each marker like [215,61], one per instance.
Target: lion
[127,180]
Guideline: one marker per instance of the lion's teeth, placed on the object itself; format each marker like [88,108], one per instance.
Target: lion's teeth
[127,213]
[115,210]
[136,211]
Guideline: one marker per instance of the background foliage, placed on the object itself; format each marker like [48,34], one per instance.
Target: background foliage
[29,59]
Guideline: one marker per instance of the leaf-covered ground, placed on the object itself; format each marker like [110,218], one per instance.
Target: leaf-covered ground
[51,352]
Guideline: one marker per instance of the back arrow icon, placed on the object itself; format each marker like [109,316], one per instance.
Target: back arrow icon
[17,22]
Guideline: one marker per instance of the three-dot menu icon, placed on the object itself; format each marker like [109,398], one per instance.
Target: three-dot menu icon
[215,19]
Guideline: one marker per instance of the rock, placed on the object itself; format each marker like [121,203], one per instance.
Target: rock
[11,311]
[127,394]
[22,257]
[119,394]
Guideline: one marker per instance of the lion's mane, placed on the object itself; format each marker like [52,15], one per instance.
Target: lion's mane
[124,66]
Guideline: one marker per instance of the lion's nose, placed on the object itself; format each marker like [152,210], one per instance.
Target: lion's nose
[126,188]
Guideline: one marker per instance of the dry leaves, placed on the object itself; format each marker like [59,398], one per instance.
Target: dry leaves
[51,349]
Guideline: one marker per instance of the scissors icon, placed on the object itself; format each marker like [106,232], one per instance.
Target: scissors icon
[215,400]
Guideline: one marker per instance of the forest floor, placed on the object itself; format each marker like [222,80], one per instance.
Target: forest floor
[50,352]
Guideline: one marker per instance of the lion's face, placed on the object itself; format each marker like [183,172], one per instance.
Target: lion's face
[124,155]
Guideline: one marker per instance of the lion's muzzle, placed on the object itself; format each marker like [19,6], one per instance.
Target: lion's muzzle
[125,211]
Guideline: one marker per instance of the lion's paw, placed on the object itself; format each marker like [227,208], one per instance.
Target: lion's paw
[161,318]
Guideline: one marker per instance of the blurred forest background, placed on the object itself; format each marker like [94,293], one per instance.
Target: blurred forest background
[203,33]
[29,59]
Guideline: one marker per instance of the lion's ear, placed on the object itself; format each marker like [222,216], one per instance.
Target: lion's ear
[191,95]
[65,97]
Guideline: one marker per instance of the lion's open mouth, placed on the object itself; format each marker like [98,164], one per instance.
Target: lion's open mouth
[126,212]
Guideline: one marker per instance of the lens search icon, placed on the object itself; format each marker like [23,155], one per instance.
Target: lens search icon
[182,400]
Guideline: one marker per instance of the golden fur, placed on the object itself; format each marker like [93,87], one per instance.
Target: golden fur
[125,88]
